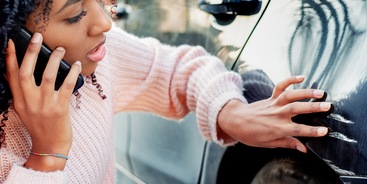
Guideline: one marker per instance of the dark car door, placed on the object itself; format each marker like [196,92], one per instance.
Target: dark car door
[156,150]
[326,40]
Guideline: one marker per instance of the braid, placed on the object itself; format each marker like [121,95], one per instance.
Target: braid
[98,86]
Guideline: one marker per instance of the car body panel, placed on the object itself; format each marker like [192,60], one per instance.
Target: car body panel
[326,40]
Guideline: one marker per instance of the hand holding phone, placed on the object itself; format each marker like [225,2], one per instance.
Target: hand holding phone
[21,41]
[44,112]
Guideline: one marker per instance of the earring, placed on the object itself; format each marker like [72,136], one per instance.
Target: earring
[113,10]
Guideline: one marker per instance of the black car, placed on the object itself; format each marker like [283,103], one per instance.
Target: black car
[267,41]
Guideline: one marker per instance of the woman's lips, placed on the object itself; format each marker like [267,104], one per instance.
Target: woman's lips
[98,53]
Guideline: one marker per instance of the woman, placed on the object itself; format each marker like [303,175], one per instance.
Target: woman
[53,136]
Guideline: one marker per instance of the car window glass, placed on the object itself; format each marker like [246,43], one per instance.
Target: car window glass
[182,22]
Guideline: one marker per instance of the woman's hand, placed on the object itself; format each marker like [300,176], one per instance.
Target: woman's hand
[268,123]
[44,111]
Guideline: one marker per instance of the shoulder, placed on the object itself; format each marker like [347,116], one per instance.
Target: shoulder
[116,35]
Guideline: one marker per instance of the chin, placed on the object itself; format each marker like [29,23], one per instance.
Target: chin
[88,69]
[87,72]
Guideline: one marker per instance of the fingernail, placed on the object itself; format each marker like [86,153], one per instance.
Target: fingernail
[325,105]
[60,49]
[322,131]
[36,38]
[10,42]
[318,93]
[301,148]
[300,77]
[79,64]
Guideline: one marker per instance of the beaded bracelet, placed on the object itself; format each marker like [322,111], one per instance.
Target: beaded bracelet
[52,155]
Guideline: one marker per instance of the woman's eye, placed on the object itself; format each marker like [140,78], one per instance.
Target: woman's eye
[77,18]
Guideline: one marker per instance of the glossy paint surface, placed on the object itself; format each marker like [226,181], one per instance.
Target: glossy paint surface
[326,40]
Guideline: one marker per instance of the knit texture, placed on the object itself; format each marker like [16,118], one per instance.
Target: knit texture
[137,74]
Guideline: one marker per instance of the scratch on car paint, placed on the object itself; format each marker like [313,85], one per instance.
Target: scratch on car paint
[339,170]
[342,137]
[340,118]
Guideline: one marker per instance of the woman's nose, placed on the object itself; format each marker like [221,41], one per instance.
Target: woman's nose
[100,21]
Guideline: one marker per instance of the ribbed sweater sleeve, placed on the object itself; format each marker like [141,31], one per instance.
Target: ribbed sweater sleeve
[170,81]
[21,175]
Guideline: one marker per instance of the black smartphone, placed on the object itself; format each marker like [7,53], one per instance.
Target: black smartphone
[21,41]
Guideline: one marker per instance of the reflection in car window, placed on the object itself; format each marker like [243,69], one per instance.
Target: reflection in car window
[182,22]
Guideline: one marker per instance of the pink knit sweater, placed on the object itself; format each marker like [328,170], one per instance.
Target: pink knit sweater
[137,74]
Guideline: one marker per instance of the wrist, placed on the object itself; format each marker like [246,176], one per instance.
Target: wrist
[45,163]
[51,148]
[226,120]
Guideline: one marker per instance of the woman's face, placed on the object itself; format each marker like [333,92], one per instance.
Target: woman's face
[79,27]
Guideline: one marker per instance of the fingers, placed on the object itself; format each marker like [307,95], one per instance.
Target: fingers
[21,80]
[289,99]
[29,62]
[50,73]
[288,142]
[301,130]
[68,85]
[287,133]
[12,71]
[299,94]
[296,108]
[283,85]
